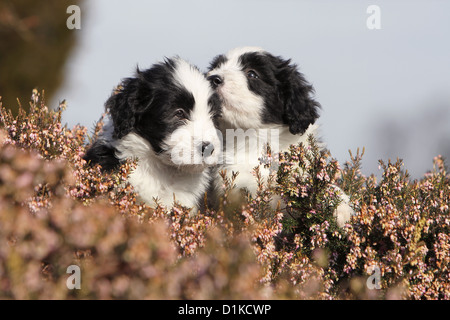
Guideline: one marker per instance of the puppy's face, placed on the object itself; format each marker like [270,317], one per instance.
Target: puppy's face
[173,108]
[258,89]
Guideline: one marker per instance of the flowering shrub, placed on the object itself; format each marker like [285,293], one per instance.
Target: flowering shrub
[56,211]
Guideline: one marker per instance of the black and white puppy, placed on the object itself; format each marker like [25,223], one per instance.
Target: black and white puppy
[262,94]
[166,118]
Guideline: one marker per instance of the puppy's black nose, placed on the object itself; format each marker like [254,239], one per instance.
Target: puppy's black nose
[207,149]
[215,80]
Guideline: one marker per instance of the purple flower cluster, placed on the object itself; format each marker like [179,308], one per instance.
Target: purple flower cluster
[56,211]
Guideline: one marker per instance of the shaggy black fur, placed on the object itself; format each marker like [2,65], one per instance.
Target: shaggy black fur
[150,104]
[287,94]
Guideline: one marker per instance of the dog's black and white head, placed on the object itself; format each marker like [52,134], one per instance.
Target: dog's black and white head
[258,89]
[168,113]
[166,118]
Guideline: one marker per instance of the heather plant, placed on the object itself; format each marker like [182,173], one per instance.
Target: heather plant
[403,229]
[56,211]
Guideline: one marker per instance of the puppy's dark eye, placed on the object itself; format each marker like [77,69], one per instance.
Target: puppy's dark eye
[180,114]
[252,74]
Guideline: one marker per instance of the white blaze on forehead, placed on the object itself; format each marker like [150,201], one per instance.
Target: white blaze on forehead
[241,107]
[232,63]
[185,143]
[190,78]
[235,53]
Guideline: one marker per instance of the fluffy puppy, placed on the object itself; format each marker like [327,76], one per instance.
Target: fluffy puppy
[165,117]
[265,99]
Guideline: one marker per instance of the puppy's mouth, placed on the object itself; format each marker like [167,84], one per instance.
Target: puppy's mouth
[196,161]
[226,104]
[191,168]
[218,85]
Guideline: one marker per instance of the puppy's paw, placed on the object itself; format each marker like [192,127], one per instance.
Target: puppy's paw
[343,213]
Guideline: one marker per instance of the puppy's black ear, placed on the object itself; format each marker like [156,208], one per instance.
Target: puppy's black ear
[126,104]
[300,109]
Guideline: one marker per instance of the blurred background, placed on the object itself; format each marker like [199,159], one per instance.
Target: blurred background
[35,46]
[387,90]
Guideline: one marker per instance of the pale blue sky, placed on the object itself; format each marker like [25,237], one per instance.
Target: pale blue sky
[386,90]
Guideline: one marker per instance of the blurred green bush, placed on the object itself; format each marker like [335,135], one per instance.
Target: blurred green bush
[34,46]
